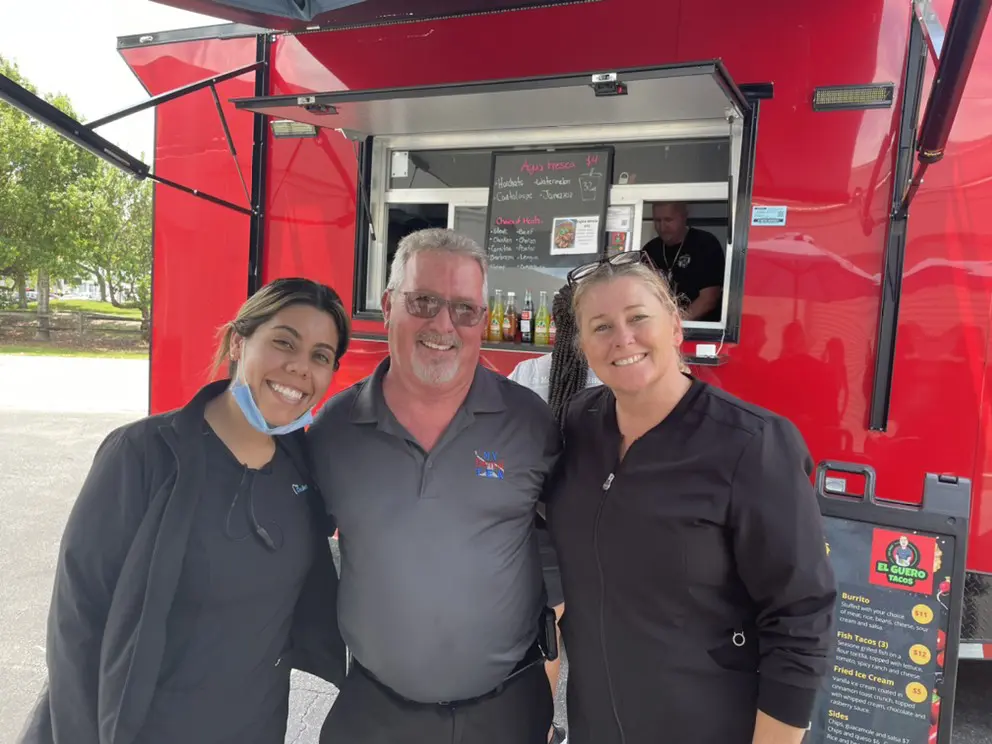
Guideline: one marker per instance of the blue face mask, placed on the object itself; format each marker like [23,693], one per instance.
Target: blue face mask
[246,402]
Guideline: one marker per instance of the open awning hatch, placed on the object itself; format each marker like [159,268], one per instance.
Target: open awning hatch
[685,92]
[85,136]
[310,15]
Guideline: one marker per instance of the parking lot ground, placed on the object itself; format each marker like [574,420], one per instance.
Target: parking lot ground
[73,384]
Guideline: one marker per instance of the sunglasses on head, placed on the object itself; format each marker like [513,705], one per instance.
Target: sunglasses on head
[618,259]
[426,305]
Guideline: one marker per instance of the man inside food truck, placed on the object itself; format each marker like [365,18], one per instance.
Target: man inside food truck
[692,260]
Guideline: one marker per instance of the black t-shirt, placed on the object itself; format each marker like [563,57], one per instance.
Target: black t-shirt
[222,679]
[690,266]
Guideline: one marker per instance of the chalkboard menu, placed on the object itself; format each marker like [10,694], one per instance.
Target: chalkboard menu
[547,209]
[892,635]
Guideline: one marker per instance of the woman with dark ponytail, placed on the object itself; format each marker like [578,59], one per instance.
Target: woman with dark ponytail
[562,373]
[195,569]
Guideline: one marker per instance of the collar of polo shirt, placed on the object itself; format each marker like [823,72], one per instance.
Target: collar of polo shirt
[483,397]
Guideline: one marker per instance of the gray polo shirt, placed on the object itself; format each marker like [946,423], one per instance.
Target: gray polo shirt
[441,580]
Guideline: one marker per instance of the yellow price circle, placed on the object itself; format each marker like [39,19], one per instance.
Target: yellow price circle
[920,654]
[922,614]
[916,692]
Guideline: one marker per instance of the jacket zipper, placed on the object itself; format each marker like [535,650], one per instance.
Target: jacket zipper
[738,637]
[602,600]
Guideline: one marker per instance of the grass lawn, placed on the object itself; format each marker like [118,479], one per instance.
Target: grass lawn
[88,306]
[41,349]
[20,337]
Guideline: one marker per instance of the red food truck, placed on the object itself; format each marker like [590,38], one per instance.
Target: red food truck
[306,138]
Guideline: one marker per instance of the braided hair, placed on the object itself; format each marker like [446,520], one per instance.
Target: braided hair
[569,370]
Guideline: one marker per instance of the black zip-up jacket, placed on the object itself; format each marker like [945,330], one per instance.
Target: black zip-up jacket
[696,581]
[118,568]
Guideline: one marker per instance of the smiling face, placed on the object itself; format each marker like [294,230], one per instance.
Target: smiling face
[627,334]
[435,351]
[288,362]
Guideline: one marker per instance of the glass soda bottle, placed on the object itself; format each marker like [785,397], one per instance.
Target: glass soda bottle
[510,318]
[484,331]
[496,319]
[552,328]
[527,320]
[541,321]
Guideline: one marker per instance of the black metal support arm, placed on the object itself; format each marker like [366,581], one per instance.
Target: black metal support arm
[964,32]
[83,135]
[958,52]
[200,194]
[230,142]
[172,95]
[38,108]
[259,169]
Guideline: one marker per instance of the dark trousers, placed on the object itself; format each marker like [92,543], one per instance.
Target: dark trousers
[366,712]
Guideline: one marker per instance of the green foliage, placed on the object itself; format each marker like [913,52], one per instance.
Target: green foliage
[118,236]
[89,306]
[15,130]
[66,214]
[42,350]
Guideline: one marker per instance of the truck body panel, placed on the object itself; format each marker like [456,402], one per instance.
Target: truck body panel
[812,288]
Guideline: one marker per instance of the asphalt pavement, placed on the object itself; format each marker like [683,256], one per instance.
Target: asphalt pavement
[50,426]
[73,384]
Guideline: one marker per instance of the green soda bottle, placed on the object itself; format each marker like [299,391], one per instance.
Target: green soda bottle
[542,322]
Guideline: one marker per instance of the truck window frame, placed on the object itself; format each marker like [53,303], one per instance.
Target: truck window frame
[374,198]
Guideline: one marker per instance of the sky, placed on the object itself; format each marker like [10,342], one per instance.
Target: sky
[63,50]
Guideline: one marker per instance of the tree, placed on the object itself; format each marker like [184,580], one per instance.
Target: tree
[42,207]
[15,132]
[105,220]
[54,214]
[65,213]
[134,265]
[118,237]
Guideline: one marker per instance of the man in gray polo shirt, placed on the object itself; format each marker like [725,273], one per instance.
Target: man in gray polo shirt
[433,467]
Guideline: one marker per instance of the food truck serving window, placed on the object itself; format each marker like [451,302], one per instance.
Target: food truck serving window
[550,173]
[487,184]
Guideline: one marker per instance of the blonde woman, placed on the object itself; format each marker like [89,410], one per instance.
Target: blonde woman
[697,589]
[195,567]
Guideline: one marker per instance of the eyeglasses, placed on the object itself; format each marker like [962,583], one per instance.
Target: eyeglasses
[427,305]
[624,258]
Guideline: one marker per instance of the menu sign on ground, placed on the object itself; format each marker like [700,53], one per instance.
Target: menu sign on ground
[884,685]
[548,208]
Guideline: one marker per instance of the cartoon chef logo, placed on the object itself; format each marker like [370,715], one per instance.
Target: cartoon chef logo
[903,553]
[902,561]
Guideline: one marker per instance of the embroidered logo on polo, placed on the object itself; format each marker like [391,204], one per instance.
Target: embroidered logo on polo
[488,465]
[298,489]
